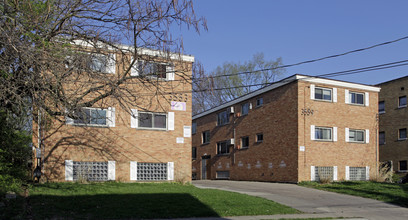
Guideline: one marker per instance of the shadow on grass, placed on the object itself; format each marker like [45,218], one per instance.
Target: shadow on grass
[119,206]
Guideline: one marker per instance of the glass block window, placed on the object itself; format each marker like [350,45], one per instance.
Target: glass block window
[152,171]
[90,171]
[357,173]
[223,174]
[323,173]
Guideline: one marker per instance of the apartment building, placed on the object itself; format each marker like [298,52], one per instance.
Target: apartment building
[146,140]
[393,113]
[301,128]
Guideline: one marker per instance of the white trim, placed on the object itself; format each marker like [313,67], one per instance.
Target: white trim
[111,170]
[347,134]
[133,170]
[111,63]
[312,91]
[134,71]
[367,173]
[140,51]
[334,173]
[170,171]
[334,133]
[334,94]
[347,173]
[69,170]
[170,122]
[134,122]
[367,98]
[312,173]
[367,136]
[285,81]
[170,73]
[312,132]
[346,96]
[110,116]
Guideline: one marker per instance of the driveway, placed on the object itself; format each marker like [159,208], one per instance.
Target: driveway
[311,201]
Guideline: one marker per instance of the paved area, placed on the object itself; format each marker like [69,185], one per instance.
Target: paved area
[315,203]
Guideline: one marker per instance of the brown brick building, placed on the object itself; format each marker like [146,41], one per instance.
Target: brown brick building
[393,112]
[298,129]
[147,141]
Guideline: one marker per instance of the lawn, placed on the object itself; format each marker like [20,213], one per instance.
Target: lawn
[113,200]
[387,192]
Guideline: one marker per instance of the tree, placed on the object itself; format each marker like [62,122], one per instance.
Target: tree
[232,80]
[45,45]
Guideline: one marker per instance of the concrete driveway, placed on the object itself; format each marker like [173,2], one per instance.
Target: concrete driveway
[315,203]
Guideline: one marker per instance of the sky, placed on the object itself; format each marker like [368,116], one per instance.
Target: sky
[301,30]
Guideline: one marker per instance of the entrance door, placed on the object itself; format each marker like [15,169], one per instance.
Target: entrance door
[205,168]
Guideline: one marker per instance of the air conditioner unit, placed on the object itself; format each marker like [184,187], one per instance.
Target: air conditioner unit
[231,141]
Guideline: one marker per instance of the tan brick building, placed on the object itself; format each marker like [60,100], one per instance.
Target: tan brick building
[393,113]
[298,129]
[149,141]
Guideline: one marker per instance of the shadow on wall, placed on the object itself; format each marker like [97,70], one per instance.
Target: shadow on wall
[119,206]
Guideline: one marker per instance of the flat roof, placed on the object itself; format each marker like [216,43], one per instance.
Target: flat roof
[392,80]
[296,77]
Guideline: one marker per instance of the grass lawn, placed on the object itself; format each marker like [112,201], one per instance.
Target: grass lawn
[387,192]
[113,200]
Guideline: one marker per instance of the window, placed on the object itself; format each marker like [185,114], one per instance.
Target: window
[356,135]
[402,134]
[381,107]
[323,134]
[259,138]
[152,171]
[323,94]
[152,120]
[381,137]
[222,174]
[151,69]
[356,98]
[222,148]
[194,128]
[194,153]
[357,173]
[402,101]
[244,142]
[245,109]
[403,165]
[222,118]
[206,137]
[90,171]
[102,63]
[259,102]
[91,116]
[323,173]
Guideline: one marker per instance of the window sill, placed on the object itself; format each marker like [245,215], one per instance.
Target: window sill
[153,129]
[323,140]
[403,171]
[323,100]
[244,148]
[357,142]
[383,112]
[89,125]
[402,139]
[357,104]
[382,144]
[402,106]
[220,155]
[223,125]
[207,143]
[259,142]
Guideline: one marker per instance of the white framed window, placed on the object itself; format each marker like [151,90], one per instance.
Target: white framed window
[194,128]
[153,70]
[323,94]
[259,102]
[356,136]
[356,98]
[142,171]
[245,142]
[152,120]
[93,117]
[259,138]
[104,63]
[323,133]
[381,107]
[222,147]
[205,137]
[381,137]
[245,108]
[222,118]
[320,173]
[402,134]
[402,101]
[357,173]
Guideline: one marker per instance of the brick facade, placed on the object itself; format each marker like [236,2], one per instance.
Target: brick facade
[287,152]
[123,144]
[392,119]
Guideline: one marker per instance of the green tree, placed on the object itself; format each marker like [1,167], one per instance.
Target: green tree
[232,80]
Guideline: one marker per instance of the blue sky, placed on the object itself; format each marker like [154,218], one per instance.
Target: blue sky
[302,30]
